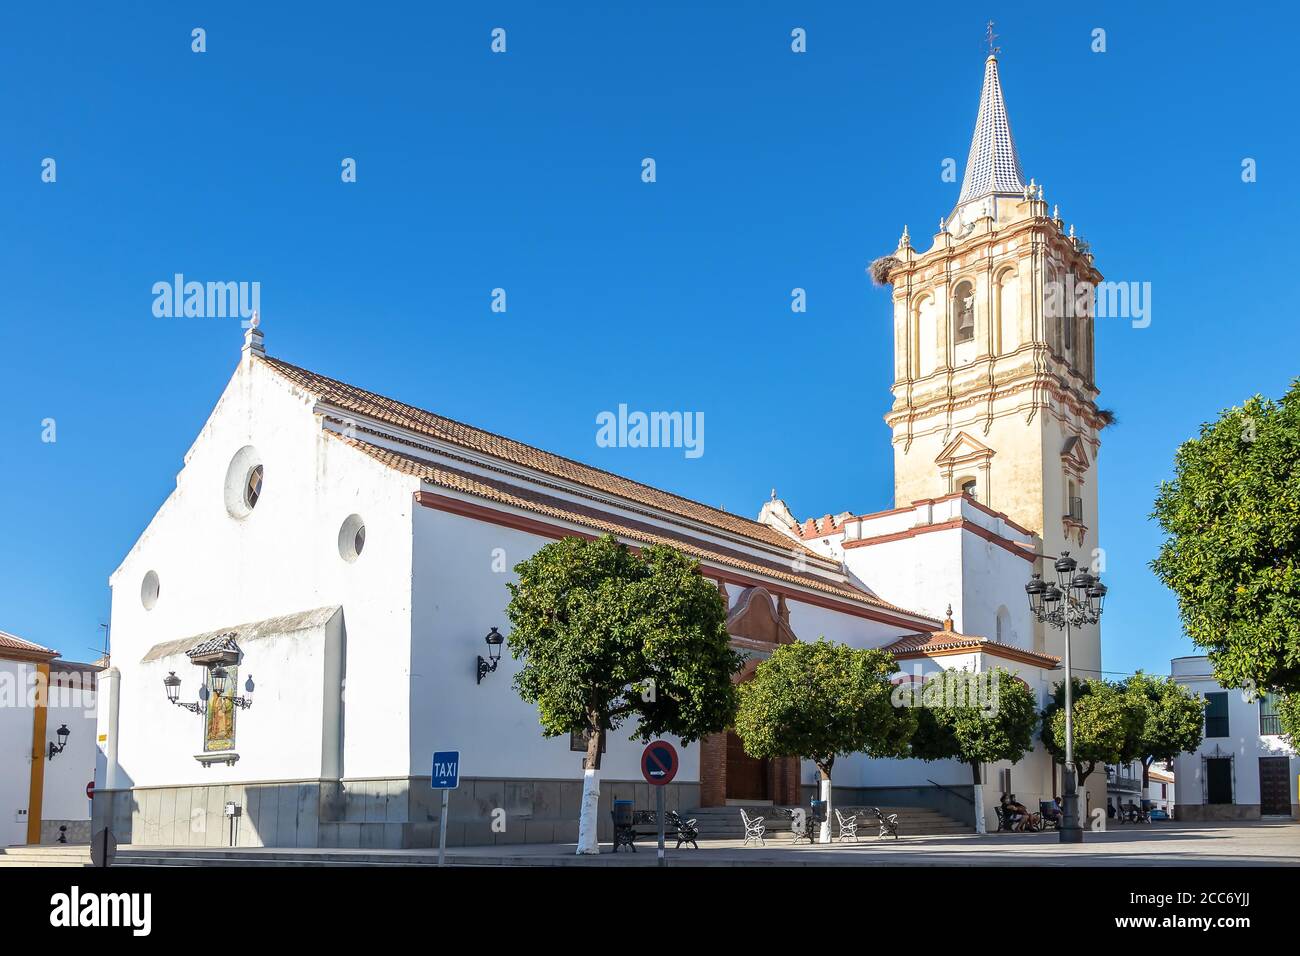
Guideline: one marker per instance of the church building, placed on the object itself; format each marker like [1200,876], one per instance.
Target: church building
[314,610]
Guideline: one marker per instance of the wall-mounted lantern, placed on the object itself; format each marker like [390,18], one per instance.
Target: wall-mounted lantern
[213,655]
[494,640]
[63,733]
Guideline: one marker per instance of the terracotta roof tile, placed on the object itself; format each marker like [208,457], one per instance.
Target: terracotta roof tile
[17,645]
[537,502]
[927,641]
[371,405]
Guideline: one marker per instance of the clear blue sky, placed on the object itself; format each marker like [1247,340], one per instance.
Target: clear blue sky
[522,171]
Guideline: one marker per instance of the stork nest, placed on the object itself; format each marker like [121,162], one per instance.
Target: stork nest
[880,269]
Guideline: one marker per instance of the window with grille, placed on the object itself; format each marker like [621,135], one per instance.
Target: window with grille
[1269,721]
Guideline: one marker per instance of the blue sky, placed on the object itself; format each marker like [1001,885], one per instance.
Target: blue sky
[522,171]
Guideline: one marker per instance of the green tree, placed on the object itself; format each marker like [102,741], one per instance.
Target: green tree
[608,635]
[975,718]
[1231,515]
[1107,726]
[817,701]
[1288,710]
[1172,721]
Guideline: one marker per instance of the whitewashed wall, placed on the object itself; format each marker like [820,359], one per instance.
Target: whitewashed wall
[217,571]
[15,750]
[66,776]
[458,598]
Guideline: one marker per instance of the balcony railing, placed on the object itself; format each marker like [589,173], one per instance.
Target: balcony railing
[1076,510]
[1269,724]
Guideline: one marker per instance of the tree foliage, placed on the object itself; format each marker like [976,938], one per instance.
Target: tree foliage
[1288,710]
[818,700]
[974,718]
[1107,725]
[608,635]
[1231,515]
[1171,719]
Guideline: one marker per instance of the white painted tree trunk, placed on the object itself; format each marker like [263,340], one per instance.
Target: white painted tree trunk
[824,834]
[980,825]
[590,813]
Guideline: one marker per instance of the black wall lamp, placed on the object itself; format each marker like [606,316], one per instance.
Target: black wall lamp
[213,655]
[494,640]
[218,678]
[63,733]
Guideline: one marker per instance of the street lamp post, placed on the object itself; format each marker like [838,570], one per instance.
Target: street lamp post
[1076,599]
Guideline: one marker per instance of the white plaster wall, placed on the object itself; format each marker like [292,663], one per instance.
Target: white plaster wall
[994,579]
[66,776]
[217,571]
[922,573]
[458,598]
[15,749]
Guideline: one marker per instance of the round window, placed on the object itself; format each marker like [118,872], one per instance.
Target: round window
[352,538]
[243,487]
[149,589]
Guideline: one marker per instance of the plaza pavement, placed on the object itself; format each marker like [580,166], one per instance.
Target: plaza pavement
[1157,844]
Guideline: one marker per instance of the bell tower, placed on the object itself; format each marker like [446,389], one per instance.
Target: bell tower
[994,393]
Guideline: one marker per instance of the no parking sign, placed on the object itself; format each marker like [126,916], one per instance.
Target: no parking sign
[659,762]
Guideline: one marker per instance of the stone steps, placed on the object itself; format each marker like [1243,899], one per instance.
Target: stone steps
[58,854]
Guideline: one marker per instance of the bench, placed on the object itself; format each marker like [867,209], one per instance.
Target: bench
[645,823]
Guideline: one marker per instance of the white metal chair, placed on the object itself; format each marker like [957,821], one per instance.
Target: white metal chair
[848,826]
[754,828]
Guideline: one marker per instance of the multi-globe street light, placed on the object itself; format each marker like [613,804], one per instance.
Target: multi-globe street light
[1076,599]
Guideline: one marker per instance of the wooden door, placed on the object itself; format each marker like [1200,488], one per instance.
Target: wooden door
[1274,786]
[746,775]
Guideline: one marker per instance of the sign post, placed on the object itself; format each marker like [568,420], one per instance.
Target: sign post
[445,777]
[658,767]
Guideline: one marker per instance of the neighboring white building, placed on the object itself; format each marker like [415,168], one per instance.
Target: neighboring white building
[40,791]
[348,553]
[1243,769]
[1160,789]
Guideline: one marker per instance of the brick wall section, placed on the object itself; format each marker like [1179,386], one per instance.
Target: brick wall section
[713,770]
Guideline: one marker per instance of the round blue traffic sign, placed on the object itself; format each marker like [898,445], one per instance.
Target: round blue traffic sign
[659,762]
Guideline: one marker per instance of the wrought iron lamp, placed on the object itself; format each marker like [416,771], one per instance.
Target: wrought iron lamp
[494,640]
[1075,600]
[218,677]
[63,733]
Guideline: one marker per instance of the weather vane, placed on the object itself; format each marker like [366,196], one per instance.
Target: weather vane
[993,50]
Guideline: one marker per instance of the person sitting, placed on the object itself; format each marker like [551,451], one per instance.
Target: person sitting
[1110,810]
[1016,813]
[1052,812]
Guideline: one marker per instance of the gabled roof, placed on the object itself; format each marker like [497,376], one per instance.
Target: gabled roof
[360,402]
[993,166]
[13,647]
[539,502]
[939,643]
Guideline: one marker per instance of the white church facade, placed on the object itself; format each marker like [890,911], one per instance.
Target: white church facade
[318,587]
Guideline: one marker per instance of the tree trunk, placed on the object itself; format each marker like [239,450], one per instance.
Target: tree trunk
[589,817]
[1146,775]
[824,834]
[978,787]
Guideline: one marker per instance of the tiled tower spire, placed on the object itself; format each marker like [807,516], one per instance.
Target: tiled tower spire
[993,167]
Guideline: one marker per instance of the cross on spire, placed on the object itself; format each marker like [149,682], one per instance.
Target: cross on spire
[991,37]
